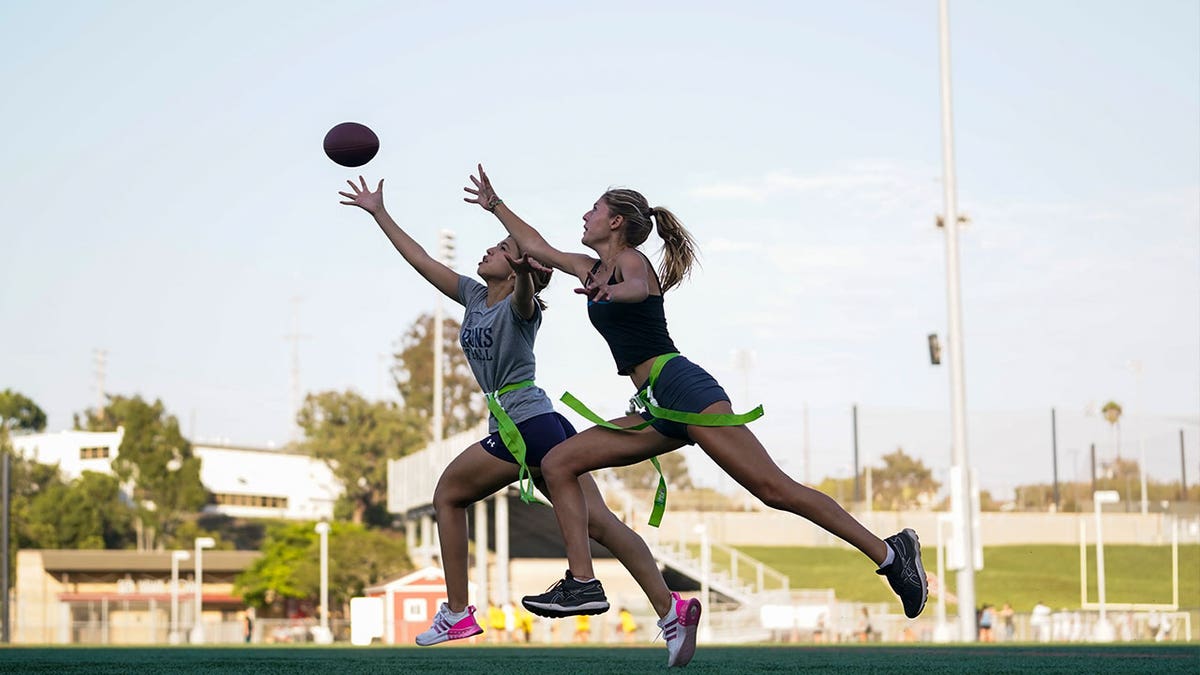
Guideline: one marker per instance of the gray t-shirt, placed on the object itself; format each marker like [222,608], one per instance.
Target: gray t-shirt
[499,346]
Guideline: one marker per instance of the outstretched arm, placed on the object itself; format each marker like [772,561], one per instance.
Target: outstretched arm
[529,239]
[443,278]
[522,298]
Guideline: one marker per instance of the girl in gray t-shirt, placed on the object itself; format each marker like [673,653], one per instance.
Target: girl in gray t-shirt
[501,321]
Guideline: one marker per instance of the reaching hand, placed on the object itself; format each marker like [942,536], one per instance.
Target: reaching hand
[484,194]
[596,292]
[527,264]
[363,198]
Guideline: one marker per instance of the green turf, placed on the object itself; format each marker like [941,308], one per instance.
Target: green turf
[1160,659]
[1021,575]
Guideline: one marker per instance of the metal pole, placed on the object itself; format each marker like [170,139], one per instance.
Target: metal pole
[1093,468]
[1054,454]
[198,623]
[857,490]
[4,498]
[1141,425]
[1183,472]
[1100,585]
[954,343]
[323,531]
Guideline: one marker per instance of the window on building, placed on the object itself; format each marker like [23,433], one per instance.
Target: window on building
[98,452]
[258,501]
[414,609]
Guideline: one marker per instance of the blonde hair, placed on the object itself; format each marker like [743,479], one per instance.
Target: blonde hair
[679,249]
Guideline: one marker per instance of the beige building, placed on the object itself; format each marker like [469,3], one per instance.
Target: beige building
[124,597]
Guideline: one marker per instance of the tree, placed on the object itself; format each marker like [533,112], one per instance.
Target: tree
[88,513]
[904,482]
[643,476]
[1112,412]
[463,404]
[158,461]
[18,412]
[356,437]
[290,565]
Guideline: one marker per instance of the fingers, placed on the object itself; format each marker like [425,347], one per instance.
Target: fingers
[347,195]
[379,188]
[364,183]
[352,186]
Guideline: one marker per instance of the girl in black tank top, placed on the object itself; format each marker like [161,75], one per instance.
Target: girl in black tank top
[619,222]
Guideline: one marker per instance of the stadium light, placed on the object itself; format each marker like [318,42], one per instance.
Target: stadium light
[198,627]
[176,558]
[1104,630]
[323,531]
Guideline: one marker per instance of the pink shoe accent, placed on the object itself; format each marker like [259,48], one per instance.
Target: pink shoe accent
[466,627]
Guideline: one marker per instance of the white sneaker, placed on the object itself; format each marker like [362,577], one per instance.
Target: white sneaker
[447,627]
[679,629]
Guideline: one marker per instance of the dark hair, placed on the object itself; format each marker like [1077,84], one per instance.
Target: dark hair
[679,249]
[540,279]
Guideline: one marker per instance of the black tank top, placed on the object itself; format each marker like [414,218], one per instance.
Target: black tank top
[634,331]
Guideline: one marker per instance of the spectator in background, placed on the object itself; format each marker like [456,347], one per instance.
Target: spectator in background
[864,626]
[583,628]
[987,616]
[1039,620]
[626,626]
[1006,615]
[495,617]
[247,627]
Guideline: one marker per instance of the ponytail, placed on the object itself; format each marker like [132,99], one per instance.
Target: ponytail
[679,248]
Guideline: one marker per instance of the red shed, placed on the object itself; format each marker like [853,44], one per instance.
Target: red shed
[409,603]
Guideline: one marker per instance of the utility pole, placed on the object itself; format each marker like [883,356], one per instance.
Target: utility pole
[857,488]
[954,342]
[1054,456]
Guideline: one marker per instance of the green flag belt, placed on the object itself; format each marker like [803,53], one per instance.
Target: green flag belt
[513,440]
[644,400]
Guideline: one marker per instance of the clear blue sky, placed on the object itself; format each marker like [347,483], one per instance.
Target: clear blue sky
[165,196]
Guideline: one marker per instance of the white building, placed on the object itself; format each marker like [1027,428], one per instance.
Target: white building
[246,482]
[73,451]
[261,483]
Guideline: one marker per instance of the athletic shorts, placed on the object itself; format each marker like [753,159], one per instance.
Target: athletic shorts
[686,387]
[541,433]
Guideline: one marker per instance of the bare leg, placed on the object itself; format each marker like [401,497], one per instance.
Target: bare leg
[472,476]
[628,547]
[739,453]
[589,450]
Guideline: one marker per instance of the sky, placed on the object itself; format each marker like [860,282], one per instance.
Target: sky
[166,199]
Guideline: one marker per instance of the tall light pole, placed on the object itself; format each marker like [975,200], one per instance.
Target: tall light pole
[1104,630]
[961,507]
[323,532]
[1136,366]
[176,558]
[446,253]
[198,627]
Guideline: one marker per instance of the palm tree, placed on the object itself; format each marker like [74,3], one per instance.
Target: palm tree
[1112,413]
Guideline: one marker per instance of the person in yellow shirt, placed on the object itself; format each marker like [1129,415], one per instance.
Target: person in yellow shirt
[583,628]
[626,626]
[496,622]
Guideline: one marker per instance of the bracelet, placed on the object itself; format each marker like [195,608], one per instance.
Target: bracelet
[493,203]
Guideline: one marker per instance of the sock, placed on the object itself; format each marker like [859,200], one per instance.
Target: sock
[583,581]
[890,557]
[456,615]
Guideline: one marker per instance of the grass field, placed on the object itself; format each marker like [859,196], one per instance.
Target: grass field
[1161,659]
[1021,575]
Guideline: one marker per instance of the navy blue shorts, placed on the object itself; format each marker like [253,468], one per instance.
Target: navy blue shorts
[686,387]
[540,433]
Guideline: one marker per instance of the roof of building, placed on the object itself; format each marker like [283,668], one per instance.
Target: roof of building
[141,561]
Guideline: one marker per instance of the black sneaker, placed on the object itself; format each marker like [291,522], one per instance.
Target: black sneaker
[568,598]
[906,574]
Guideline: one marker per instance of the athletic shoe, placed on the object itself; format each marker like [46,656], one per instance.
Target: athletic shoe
[679,629]
[445,627]
[568,598]
[905,573]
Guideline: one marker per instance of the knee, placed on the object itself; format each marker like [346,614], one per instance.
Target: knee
[557,466]
[445,498]
[600,524]
[777,493]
